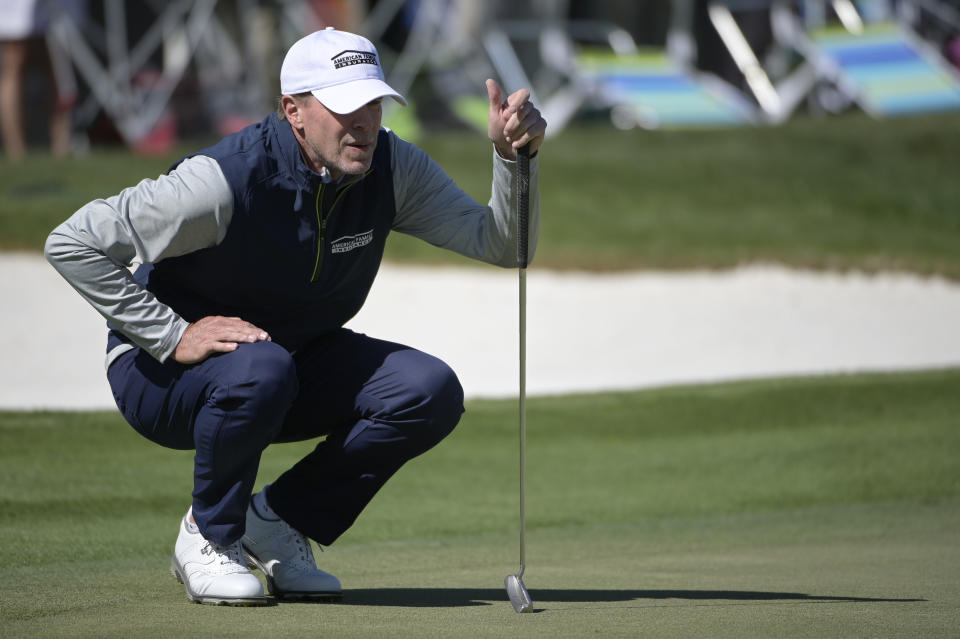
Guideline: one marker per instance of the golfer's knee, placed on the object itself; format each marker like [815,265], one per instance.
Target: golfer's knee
[436,396]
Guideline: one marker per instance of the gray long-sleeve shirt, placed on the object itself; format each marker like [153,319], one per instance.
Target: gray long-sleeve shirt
[191,208]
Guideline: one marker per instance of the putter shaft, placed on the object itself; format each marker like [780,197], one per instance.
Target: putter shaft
[516,590]
[523,422]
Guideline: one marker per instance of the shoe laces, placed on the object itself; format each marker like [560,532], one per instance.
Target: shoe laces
[230,554]
[302,558]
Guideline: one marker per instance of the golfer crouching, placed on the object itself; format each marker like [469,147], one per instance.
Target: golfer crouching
[229,336]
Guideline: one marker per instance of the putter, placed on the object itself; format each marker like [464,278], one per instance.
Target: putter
[516,590]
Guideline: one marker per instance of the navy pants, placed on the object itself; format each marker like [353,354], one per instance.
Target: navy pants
[377,403]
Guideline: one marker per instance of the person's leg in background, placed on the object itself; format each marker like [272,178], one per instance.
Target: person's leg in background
[63,97]
[13,55]
[20,59]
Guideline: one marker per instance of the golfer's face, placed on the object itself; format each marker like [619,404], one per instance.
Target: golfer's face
[342,143]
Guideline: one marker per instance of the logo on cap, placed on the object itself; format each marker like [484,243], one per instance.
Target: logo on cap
[349,58]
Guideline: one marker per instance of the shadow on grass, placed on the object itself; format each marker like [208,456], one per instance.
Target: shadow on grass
[457,597]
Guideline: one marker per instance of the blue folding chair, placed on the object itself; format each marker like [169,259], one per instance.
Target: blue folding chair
[656,92]
[885,70]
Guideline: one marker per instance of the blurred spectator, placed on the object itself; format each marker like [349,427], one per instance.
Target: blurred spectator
[23,49]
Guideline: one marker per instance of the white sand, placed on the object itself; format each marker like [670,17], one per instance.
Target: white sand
[585,332]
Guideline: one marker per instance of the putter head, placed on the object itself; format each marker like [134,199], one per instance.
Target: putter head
[518,594]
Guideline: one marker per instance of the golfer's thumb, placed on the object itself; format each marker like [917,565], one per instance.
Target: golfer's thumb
[495,95]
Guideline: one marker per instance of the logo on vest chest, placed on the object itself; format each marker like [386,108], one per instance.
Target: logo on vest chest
[350,242]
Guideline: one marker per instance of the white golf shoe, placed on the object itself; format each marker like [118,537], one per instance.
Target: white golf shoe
[286,559]
[214,574]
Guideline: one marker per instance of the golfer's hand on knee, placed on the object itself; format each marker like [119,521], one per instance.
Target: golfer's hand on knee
[514,122]
[215,334]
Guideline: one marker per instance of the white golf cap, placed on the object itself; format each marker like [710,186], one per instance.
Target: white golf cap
[341,69]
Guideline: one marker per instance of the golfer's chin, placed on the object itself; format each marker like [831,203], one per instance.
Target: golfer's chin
[357,159]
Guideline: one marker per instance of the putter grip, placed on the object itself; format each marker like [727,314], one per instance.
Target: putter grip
[523,203]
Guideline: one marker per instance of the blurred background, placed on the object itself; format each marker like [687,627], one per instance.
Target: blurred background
[149,75]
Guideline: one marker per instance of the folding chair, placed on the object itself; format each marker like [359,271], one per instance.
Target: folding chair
[648,88]
[882,67]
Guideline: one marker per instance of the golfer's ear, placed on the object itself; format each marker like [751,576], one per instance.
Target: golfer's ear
[291,110]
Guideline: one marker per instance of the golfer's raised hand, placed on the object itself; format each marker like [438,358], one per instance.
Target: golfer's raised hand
[513,122]
[215,334]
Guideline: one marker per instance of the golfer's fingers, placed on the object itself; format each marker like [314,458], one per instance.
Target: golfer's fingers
[220,347]
[231,335]
[527,119]
[233,329]
[517,99]
[521,119]
[529,127]
[533,136]
[511,111]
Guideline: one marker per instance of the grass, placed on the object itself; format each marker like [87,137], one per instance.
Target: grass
[805,507]
[839,193]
